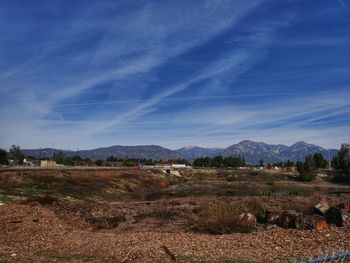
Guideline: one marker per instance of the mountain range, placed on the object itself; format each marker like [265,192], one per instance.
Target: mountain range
[252,152]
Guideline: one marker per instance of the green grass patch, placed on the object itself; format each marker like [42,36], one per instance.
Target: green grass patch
[231,177]
[294,192]
[264,192]
[253,173]
[6,198]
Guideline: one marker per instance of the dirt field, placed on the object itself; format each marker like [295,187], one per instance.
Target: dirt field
[129,215]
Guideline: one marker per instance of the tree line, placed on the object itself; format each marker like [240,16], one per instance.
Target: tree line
[312,163]
[308,169]
[219,161]
[14,154]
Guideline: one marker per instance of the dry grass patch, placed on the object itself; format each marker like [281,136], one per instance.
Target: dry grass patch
[223,217]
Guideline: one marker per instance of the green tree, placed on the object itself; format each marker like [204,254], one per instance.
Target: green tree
[243,161]
[202,162]
[307,170]
[217,161]
[112,159]
[261,163]
[16,154]
[67,161]
[58,157]
[342,161]
[232,161]
[320,162]
[3,157]
[289,163]
[99,162]
[77,160]
[336,162]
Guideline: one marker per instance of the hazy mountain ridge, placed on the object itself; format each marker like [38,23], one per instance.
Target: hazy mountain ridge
[252,152]
[197,151]
[154,152]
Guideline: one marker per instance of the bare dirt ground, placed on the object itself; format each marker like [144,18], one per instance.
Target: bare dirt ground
[107,216]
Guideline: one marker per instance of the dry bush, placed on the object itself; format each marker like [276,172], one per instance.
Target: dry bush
[255,207]
[43,200]
[161,214]
[219,218]
[298,205]
[105,222]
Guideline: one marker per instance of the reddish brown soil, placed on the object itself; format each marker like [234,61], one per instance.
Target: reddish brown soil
[58,232]
[72,216]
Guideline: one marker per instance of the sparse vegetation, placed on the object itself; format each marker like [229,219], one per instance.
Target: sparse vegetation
[223,218]
[208,203]
[231,177]
[264,192]
[294,192]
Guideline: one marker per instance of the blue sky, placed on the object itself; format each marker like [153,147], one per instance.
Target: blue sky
[97,73]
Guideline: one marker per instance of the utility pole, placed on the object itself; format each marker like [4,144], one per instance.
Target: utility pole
[139,154]
[52,151]
[192,156]
[329,160]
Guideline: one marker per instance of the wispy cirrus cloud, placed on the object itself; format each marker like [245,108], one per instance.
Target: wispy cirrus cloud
[234,63]
[132,72]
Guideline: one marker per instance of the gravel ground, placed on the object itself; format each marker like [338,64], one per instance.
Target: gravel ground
[38,234]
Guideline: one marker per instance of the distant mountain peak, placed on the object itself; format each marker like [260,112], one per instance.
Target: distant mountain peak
[302,143]
[197,151]
[246,141]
